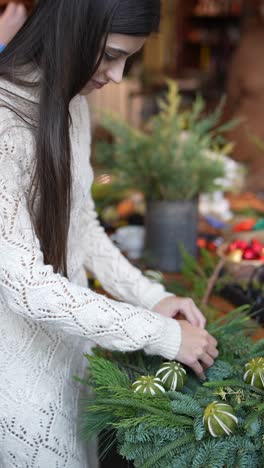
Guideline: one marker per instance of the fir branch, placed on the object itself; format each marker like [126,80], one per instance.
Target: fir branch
[152,421]
[199,429]
[168,449]
[235,384]
[211,454]
[253,424]
[147,408]
[258,348]
[94,422]
[101,367]
[185,404]
[249,403]
[234,319]
[220,370]
[258,413]
[183,458]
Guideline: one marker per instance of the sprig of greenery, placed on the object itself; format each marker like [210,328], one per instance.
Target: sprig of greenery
[171,160]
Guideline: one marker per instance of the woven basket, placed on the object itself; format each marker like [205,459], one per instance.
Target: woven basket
[241,270]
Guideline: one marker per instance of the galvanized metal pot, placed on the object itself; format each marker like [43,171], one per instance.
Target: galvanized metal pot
[168,224]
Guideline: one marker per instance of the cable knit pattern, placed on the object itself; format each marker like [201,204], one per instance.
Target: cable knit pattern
[107,263]
[47,321]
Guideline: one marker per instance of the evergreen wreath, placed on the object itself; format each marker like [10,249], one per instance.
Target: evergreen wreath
[177,429]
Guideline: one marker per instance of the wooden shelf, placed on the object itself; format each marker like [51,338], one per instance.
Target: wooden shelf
[201,42]
[206,43]
[215,18]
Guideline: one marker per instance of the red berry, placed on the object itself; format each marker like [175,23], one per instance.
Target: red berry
[249,254]
[257,246]
[241,244]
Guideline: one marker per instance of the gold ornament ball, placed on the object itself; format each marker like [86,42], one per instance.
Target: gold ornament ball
[254,372]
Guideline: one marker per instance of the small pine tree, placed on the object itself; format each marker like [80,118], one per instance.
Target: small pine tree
[172,160]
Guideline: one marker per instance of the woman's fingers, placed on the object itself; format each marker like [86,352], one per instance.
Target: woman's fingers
[198,369]
[212,340]
[198,348]
[173,305]
[214,353]
[206,361]
[191,312]
[199,315]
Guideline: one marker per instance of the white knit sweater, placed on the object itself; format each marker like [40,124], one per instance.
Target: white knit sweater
[47,321]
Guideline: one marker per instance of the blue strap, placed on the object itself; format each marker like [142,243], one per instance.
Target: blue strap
[2,47]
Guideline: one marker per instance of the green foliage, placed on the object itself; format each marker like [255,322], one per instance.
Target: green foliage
[212,454]
[194,279]
[166,430]
[173,159]
[100,367]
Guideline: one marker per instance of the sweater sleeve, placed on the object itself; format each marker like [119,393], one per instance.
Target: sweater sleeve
[105,261]
[31,289]
[116,274]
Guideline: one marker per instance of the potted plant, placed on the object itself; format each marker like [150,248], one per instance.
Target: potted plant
[172,161]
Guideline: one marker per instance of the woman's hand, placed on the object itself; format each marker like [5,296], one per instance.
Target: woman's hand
[198,348]
[173,305]
[11,21]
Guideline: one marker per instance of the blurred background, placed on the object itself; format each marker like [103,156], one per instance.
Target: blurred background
[211,48]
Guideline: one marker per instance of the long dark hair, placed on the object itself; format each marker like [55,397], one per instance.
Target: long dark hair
[63,40]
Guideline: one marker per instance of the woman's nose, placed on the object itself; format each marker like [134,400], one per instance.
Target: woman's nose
[115,72]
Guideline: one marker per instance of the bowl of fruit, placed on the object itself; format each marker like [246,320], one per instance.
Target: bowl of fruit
[242,256]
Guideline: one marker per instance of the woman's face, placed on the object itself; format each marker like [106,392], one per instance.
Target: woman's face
[118,48]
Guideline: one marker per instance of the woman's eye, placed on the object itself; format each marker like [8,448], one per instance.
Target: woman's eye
[109,57]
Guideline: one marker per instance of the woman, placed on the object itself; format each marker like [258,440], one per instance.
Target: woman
[49,232]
